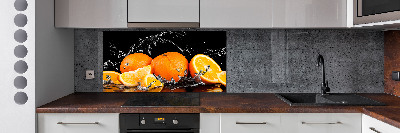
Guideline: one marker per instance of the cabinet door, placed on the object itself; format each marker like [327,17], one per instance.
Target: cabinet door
[309,13]
[236,13]
[90,13]
[209,122]
[163,11]
[78,123]
[321,123]
[372,125]
[250,123]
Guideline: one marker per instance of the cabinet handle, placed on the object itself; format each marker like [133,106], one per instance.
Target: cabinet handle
[322,123]
[251,122]
[77,123]
[373,129]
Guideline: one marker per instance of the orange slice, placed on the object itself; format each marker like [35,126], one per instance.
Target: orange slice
[222,77]
[152,83]
[201,62]
[133,77]
[111,75]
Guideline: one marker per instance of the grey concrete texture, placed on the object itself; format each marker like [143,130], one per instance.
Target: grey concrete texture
[272,60]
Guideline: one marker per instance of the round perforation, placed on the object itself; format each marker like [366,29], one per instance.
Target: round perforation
[20,67]
[20,98]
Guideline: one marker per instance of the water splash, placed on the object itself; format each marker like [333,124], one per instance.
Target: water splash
[145,44]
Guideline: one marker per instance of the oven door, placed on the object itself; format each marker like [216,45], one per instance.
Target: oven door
[164,131]
[373,11]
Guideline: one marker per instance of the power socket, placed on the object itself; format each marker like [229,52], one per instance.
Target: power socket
[89,74]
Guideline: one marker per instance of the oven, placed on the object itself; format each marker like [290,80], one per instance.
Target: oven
[374,11]
[159,123]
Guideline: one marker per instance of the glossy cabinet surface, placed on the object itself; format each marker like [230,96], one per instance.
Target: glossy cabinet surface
[209,122]
[310,13]
[372,125]
[283,122]
[273,13]
[90,13]
[78,123]
[236,13]
[163,10]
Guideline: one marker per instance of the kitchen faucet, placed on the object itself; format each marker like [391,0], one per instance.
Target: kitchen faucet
[324,85]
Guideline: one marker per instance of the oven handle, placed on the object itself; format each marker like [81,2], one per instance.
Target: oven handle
[163,131]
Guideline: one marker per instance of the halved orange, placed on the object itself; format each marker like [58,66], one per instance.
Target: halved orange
[111,75]
[133,77]
[222,77]
[152,83]
[201,62]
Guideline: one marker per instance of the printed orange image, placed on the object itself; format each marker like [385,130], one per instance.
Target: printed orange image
[164,61]
[170,65]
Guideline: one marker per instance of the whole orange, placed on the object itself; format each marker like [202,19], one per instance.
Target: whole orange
[134,61]
[170,65]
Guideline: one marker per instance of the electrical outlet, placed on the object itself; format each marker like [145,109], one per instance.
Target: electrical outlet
[89,74]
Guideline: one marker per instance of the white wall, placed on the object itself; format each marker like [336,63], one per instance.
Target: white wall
[16,118]
[54,56]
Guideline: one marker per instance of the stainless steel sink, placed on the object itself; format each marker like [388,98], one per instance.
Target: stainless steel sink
[316,99]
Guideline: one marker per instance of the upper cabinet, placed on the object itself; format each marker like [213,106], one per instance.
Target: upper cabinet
[236,13]
[203,13]
[163,13]
[309,13]
[273,13]
[90,13]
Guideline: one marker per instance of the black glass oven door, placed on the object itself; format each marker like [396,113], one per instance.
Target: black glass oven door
[164,131]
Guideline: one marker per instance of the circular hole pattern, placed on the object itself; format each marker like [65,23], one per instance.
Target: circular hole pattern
[20,67]
[20,5]
[20,82]
[20,51]
[20,98]
[20,20]
[20,36]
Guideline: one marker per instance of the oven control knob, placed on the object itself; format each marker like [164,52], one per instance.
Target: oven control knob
[175,122]
[143,122]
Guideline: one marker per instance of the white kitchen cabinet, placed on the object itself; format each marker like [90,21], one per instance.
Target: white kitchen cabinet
[209,122]
[372,125]
[290,122]
[78,123]
[90,13]
[250,123]
[236,13]
[309,13]
[321,123]
[143,11]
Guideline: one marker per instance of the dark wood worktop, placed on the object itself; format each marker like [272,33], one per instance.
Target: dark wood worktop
[219,103]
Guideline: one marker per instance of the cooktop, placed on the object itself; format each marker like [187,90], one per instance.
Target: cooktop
[163,99]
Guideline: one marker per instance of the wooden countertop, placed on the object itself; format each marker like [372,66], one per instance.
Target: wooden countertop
[219,103]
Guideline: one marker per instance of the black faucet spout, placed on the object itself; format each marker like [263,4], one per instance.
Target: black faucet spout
[324,84]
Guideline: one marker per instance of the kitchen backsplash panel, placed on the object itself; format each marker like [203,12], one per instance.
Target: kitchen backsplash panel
[164,61]
[265,60]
